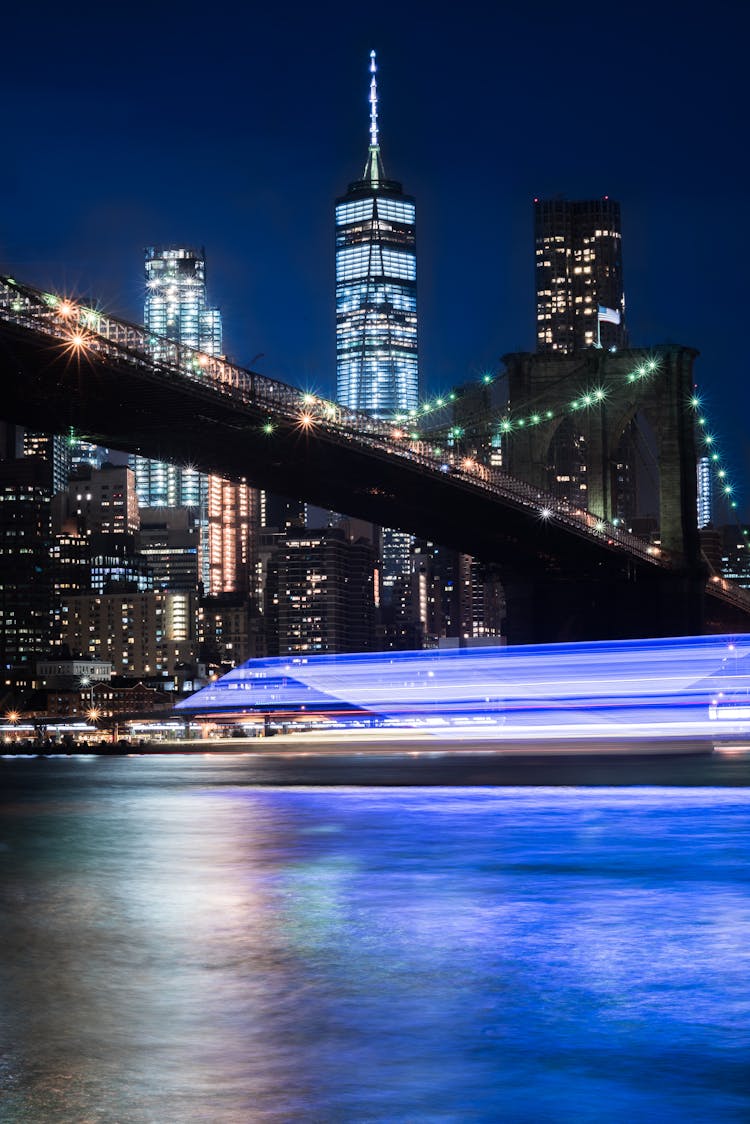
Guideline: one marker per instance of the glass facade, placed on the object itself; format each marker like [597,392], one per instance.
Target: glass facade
[705,492]
[377,360]
[176,309]
[377,363]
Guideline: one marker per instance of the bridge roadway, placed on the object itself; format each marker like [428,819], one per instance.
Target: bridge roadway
[567,574]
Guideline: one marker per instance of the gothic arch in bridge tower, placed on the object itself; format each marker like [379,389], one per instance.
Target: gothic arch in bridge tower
[553,382]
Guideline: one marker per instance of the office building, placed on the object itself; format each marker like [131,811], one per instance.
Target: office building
[176,303]
[168,542]
[377,364]
[229,631]
[25,566]
[84,454]
[705,492]
[176,308]
[233,519]
[578,268]
[377,360]
[138,633]
[735,553]
[54,451]
[319,593]
[98,500]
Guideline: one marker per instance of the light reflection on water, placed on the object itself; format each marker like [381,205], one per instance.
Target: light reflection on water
[181,946]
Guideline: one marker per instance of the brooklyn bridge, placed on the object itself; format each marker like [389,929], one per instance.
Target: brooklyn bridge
[568,573]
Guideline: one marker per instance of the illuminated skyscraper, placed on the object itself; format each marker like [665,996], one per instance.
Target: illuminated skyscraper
[579,293]
[176,305]
[705,492]
[376,288]
[377,362]
[176,308]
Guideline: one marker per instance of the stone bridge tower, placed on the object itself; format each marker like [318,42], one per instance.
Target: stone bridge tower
[657,384]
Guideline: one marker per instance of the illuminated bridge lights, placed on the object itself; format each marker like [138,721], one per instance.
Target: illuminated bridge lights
[78,342]
[714,457]
[117,341]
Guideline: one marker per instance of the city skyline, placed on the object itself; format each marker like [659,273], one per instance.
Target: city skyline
[472,129]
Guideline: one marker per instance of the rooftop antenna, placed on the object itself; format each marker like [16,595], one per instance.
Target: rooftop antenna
[373,102]
[374,167]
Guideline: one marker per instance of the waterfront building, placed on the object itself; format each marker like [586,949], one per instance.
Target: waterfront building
[377,364]
[580,301]
[71,671]
[319,593]
[138,633]
[229,631]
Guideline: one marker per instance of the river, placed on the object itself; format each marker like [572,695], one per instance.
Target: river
[228,939]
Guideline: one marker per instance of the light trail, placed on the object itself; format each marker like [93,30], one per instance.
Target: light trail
[636,689]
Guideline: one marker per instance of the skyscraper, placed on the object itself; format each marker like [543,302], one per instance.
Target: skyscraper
[176,309]
[376,288]
[377,362]
[705,492]
[579,293]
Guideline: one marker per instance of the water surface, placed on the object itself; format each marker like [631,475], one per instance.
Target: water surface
[183,943]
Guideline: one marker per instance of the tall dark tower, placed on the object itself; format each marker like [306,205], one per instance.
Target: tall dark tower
[377,365]
[579,293]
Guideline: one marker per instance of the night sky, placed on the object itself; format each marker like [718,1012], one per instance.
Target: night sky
[235,128]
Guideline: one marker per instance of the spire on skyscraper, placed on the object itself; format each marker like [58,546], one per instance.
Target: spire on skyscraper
[374,166]
[376,287]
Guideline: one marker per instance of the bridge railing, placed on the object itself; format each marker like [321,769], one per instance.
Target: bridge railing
[81,330]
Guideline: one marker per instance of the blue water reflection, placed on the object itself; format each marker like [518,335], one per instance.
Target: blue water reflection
[180,946]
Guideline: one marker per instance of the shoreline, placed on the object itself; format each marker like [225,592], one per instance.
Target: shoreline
[338,746]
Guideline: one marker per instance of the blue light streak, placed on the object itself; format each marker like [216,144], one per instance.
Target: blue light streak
[632,688]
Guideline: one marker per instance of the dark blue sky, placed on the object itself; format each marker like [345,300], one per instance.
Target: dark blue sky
[235,127]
